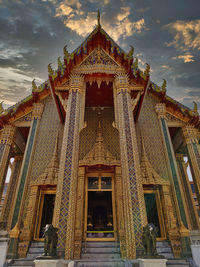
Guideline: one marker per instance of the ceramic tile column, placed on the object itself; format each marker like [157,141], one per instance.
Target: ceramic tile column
[6,140]
[180,208]
[23,180]
[193,152]
[64,212]
[193,217]
[5,219]
[134,208]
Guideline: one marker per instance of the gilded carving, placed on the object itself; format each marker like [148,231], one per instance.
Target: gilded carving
[160,109]
[37,110]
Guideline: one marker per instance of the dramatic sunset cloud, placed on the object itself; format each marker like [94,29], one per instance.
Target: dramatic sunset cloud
[165,34]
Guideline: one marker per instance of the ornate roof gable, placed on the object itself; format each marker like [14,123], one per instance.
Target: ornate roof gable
[98,61]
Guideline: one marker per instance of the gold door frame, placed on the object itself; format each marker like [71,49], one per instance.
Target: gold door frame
[99,175]
[159,211]
[38,219]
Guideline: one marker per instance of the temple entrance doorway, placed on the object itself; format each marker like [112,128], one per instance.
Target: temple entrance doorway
[44,212]
[100,220]
[154,211]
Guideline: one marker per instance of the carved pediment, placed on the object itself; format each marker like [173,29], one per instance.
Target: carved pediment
[99,153]
[98,62]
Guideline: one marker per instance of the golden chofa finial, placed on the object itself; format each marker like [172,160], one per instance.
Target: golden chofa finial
[34,86]
[1,107]
[98,18]
[195,109]
[131,52]
[147,70]
[50,70]
[66,53]
[164,86]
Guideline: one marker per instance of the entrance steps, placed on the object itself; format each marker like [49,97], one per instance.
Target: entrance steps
[100,254]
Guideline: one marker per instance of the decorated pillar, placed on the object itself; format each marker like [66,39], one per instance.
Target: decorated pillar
[134,207]
[192,212]
[64,212]
[23,180]
[5,218]
[178,194]
[79,213]
[193,152]
[6,139]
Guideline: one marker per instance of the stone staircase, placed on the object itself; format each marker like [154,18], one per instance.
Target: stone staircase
[101,254]
[36,249]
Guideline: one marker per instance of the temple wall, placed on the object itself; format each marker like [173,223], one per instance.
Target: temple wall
[110,134]
[49,127]
[148,127]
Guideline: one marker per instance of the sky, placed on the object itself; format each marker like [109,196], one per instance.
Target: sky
[164,33]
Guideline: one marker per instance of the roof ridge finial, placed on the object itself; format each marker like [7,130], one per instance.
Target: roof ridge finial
[98,18]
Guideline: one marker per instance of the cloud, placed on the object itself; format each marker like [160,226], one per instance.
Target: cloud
[165,67]
[186,34]
[186,58]
[117,24]
[82,26]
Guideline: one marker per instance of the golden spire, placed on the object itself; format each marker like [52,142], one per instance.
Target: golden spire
[98,18]
[164,85]
[195,109]
[1,107]
[34,86]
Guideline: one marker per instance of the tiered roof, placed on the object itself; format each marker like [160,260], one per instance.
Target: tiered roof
[98,38]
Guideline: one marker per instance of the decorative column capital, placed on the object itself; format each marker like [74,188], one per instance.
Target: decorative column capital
[76,83]
[7,134]
[37,110]
[190,134]
[122,83]
[161,110]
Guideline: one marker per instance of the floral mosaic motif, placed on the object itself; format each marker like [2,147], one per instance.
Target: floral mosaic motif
[67,175]
[132,175]
[174,174]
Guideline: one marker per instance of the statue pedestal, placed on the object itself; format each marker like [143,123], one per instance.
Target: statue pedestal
[3,246]
[152,262]
[49,263]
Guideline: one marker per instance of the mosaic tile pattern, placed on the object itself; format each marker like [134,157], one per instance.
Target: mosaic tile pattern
[24,173]
[132,175]
[148,127]
[110,134]
[47,132]
[174,174]
[1,150]
[64,210]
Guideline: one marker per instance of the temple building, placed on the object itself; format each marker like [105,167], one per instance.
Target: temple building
[99,152]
